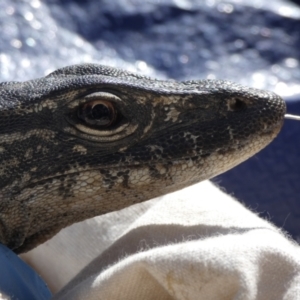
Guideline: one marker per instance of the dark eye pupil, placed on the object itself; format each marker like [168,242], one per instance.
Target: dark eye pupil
[101,114]
[97,114]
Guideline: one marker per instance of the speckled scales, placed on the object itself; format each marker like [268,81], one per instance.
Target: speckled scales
[55,170]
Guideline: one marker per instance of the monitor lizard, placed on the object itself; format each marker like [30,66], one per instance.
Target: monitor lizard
[89,139]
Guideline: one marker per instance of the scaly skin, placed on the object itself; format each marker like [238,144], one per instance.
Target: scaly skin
[61,162]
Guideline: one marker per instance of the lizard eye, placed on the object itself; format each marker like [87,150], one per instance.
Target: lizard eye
[100,116]
[98,113]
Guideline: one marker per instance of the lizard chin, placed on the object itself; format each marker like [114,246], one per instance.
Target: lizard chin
[135,184]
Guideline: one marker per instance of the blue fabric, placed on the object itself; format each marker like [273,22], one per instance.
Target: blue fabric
[18,280]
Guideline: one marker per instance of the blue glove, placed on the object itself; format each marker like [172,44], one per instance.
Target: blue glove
[18,280]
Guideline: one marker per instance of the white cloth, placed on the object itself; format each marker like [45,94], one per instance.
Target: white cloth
[197,243]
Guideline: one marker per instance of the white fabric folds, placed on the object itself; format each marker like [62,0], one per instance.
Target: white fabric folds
[197,243]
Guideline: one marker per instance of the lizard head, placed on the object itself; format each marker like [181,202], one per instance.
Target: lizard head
[88,139]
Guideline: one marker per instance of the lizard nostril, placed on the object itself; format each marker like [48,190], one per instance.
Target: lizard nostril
[236,104]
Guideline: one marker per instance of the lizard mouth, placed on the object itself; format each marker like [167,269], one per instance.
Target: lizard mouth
[268,133]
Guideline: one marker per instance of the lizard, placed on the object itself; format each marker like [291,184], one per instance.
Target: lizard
[89,139]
